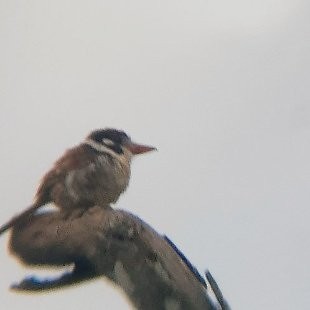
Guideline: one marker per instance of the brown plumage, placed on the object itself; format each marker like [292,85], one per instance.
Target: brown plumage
[96,172]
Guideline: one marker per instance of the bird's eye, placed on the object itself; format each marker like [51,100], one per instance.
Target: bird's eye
[107,141]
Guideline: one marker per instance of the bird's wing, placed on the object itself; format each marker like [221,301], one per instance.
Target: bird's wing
[74,159]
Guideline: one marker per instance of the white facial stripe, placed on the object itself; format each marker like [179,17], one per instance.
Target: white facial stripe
[107,141]
[104,149]
[100,147]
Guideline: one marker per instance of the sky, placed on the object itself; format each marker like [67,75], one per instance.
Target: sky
[221,88]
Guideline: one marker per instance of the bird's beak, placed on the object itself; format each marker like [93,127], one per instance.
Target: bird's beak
[136,148]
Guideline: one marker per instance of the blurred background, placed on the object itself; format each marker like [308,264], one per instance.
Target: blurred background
[220,87]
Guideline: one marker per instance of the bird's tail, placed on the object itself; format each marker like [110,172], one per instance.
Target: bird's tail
[19,217]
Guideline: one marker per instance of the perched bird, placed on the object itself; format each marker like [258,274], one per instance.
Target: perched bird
[95,172]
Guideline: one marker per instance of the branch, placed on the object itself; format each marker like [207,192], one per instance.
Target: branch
[114,244]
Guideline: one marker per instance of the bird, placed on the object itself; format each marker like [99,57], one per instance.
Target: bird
[93,173]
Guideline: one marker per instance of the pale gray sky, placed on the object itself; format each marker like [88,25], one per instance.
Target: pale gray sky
[220,87]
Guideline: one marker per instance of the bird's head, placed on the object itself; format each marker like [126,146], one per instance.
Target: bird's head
[116,143]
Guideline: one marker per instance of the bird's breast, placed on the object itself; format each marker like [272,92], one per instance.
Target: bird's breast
[115,175]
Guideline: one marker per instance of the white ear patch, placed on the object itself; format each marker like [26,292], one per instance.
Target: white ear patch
[107,141]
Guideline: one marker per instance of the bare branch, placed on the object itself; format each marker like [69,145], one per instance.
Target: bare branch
[114,244]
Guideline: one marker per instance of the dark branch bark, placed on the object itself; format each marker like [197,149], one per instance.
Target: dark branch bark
[114,244]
